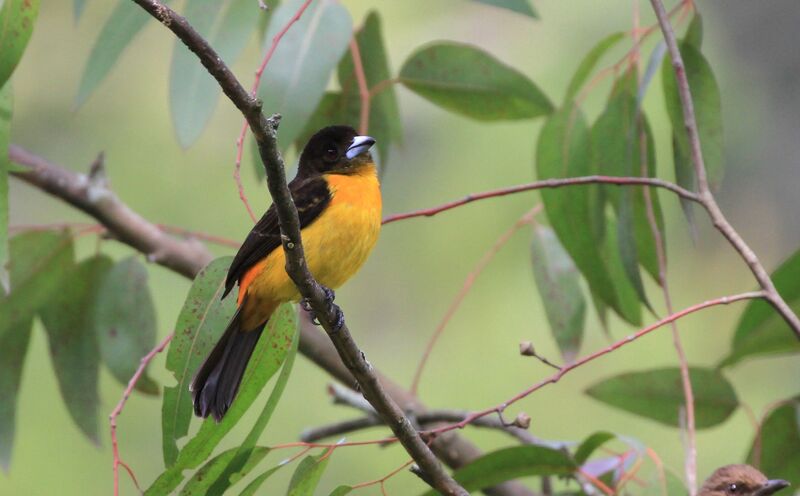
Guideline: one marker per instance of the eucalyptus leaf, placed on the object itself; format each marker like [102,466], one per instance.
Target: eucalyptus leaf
[17,18]
[777,452]
[307,474]
[657,394]
[519,6]
[301,66]
[201,322]
[510,463]
[466,80]
[589,63]
[68,321]
[125,322]
[558,282]
[201,481]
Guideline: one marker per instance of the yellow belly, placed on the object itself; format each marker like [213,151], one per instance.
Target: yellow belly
[336,245]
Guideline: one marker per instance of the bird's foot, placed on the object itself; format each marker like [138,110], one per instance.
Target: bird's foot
[330,296]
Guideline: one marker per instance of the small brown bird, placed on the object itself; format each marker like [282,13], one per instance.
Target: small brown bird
[741,480]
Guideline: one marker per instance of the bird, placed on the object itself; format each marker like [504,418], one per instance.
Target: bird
[740,480]
[337,194]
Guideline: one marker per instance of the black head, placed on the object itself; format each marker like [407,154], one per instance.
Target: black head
[335,149]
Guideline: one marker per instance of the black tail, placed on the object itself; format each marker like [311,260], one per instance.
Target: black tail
[216,382]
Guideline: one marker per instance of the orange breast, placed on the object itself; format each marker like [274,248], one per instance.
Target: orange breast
[336,245]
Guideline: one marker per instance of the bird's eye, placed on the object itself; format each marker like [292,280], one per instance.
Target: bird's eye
[733,489]
[331,154]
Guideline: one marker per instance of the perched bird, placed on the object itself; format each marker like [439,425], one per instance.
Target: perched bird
[338,199]
[740,480]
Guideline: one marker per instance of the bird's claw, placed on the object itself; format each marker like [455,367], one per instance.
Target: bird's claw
[330,296]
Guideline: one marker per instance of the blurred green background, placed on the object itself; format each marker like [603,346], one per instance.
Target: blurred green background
[419,265]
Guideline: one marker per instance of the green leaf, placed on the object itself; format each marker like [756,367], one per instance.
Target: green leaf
[761,331]
[13,349]
[590,444]
[193,91]
[384,114]
[255,485]
[125,322]
[466,80]
[643,233]
[17,18]
[125,22]
[707,109]
[625,295]
[201,322]
[341,491]
[202,479]
[694,33]
[510,463]
[68,321]
[779,449]
[300,68]
[658,395]
[563,151]
[267,358]
[519,6]
[6,109]
[39,263]
[236,469]
[558,282]
[589,62]
[307,474]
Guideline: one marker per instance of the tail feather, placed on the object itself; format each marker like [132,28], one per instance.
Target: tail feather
[217,380]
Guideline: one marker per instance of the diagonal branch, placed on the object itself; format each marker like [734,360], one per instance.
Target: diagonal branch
[704,192]
[265,131]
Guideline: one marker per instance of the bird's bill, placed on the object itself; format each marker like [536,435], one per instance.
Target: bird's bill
[771,487]
[360,145]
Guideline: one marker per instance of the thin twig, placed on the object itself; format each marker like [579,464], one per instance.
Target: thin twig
[329,316]
[704,192]
[112,419]
[253,91]
[487,257]
[545,184]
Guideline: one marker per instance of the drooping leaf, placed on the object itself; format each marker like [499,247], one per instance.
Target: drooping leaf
[761,331]
[201,481]
[68,320]
[590,444]
[236,469]
[707,108]
[39,262]
[519,6]
[510,463]
[125,322]
[589,62]
[626,297]
[256,483]
[201,322]
[307,474]
[300,68]
[643,232]
[267,358]
[384,115]
[658,395]
[17,18]
[6,108]
[193,91]
[341,491]
[563,151]
[13,349]
[694,33]
[466,80]
[777,453]
[125,22]
[558,282]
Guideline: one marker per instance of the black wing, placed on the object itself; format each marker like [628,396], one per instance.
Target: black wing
[311,196]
